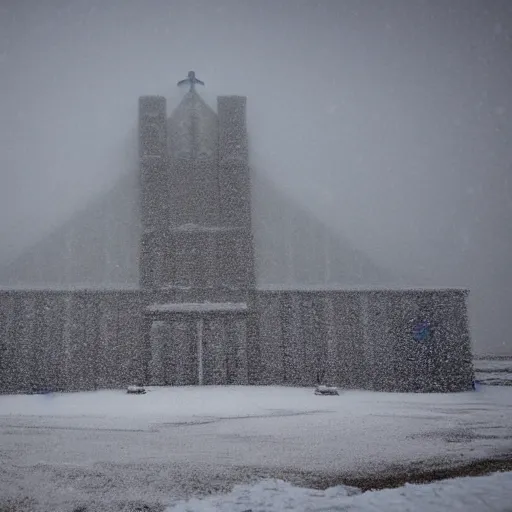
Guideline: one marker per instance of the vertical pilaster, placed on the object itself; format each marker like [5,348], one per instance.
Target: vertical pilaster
[235,186]
[332,363]
[235,190]
[200,329]
[154,196]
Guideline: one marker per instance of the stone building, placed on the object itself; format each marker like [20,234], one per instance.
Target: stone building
[194,310]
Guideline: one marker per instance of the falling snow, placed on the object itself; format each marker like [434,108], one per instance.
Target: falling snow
[324,201]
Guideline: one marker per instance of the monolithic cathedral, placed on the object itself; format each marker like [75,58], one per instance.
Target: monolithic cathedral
[171,279]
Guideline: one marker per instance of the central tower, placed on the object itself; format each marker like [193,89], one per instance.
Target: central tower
[195,196]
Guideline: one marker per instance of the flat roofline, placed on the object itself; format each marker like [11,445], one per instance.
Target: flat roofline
[71,288]
[341,288]
[264,288]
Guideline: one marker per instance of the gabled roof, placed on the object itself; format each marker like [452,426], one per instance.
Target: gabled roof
[98,247]
[192,129]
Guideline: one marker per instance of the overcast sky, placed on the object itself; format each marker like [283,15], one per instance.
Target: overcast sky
[391,120]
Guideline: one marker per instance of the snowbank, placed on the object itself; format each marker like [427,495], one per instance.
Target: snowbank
[478,494]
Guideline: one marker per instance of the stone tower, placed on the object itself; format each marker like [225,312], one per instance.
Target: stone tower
[195,197]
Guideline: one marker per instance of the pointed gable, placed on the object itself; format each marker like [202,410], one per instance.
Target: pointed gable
[193,129]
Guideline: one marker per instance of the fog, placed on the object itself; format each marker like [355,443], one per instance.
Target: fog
[388,121]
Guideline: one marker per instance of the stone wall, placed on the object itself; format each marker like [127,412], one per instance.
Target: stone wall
[69,340]
[364,339]
[353,339]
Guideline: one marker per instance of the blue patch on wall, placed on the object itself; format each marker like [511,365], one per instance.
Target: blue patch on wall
[422,331]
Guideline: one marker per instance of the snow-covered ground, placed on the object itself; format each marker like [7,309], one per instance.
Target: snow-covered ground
[106,448]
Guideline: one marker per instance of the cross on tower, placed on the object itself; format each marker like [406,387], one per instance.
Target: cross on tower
[191,80]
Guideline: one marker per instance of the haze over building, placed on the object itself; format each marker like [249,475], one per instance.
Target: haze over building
[197,313]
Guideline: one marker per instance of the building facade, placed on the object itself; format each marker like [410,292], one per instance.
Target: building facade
[198,316]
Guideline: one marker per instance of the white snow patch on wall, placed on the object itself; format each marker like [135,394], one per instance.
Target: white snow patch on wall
[201,307]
